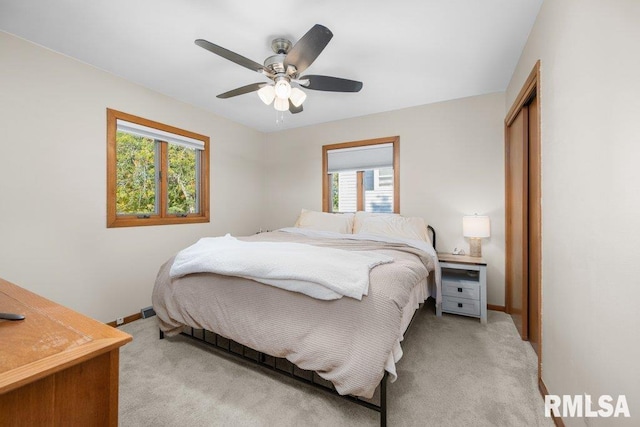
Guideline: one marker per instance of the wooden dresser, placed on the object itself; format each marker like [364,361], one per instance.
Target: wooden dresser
[57,367]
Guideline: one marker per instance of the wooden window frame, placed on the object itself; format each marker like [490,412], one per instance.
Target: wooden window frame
[162,217]
[326,178]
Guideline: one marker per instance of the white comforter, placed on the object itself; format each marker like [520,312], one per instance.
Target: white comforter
[418,244]
[292,266]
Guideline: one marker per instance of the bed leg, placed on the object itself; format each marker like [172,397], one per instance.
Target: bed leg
[383,400]
[161,334]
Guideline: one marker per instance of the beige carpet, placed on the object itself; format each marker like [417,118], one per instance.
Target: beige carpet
[455,372]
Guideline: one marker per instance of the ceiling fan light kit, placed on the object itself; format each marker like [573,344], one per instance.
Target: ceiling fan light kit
[282,87]
[281,104]
[267,94]
[297,97]
[284,68]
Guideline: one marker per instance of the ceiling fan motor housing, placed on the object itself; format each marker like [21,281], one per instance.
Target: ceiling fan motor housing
[281,45]
[275,63]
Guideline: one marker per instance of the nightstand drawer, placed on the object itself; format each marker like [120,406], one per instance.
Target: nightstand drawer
[461,305]
[461,289]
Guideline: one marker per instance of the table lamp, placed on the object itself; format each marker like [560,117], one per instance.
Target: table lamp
[476,227]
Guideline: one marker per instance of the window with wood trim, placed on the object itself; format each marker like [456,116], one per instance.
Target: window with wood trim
[156,174]
[361,176]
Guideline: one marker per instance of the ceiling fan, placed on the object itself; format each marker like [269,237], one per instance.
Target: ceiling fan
[284,68]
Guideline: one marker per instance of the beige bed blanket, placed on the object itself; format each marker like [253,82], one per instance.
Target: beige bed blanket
[345,341]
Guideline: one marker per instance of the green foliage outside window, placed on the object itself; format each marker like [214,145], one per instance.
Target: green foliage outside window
[136,177]
[182,180]
[335,195]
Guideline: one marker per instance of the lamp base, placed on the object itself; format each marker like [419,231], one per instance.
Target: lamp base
[475,246]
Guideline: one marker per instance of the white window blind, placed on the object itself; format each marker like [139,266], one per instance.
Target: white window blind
[360,158]
[147,132]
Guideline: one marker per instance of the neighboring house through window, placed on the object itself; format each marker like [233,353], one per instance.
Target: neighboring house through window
[361,176]
[156,174]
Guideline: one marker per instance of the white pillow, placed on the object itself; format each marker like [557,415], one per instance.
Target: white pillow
[361,216]
[323,221]
[396,226]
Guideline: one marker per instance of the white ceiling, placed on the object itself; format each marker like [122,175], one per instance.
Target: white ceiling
[406,52]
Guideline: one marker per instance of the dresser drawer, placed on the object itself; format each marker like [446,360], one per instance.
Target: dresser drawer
[461,305]
[461,289]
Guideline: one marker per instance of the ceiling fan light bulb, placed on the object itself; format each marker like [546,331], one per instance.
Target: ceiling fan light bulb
[267,94]
[297,97]
[283,89]
[281,104]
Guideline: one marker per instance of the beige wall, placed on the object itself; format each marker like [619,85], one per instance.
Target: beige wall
[451,164]
[53,237]
[591,199]
[52,223]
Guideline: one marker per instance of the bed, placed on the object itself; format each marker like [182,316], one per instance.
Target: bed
[268,324]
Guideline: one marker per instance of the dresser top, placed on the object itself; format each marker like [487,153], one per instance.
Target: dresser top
[49,339]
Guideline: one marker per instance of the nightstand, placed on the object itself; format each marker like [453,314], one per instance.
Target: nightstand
[464,285]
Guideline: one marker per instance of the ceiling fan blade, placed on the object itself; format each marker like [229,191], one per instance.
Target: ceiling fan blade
[241,90]
[293,109]
[331,84]
[231,56]
[308,48]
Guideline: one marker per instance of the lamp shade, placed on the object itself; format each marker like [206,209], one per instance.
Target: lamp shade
[476,226]
[297,97]
[282,89]
[281,104]
[267,93]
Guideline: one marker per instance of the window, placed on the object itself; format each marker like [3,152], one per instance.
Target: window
[361,176]
[156,174]
[378,190]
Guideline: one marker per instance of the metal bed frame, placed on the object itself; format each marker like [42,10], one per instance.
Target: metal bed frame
[286,368]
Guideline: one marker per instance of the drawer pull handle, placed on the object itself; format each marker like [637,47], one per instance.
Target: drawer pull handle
[460,305]
[459,289]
